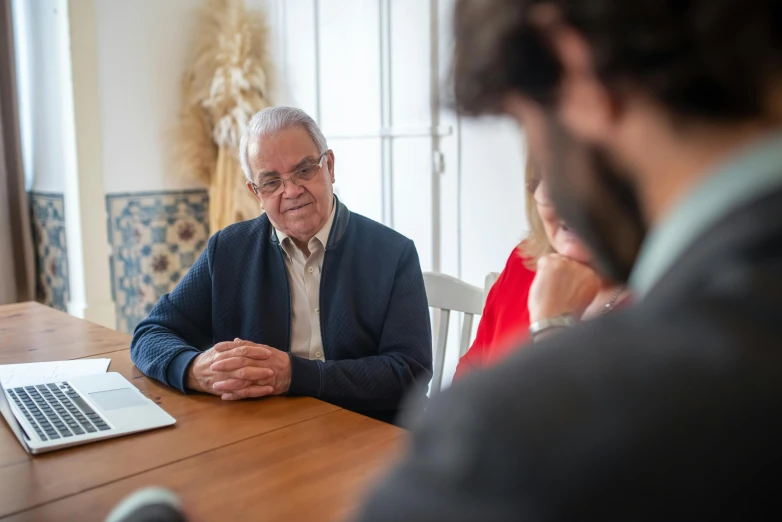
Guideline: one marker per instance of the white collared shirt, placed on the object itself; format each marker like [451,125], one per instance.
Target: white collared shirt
[304,279]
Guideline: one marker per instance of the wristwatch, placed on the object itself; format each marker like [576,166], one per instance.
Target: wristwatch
[559,321]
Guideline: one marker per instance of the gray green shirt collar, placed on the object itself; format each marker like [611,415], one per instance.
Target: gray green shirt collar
[742,178]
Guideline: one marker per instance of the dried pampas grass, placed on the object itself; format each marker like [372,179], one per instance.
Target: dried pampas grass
[226,83]
[196,151]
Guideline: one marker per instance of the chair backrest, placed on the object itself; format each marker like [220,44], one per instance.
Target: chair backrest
[447,294]
[491,278]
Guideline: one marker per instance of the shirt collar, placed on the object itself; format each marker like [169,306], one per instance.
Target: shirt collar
[321,235]
[736,182]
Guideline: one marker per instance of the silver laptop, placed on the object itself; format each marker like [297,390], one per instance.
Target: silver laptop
[55,415]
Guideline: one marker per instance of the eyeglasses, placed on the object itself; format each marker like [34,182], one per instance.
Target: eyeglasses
[299,177]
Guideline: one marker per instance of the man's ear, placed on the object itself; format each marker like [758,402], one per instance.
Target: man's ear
[585,104]
[330,164]
[253,192]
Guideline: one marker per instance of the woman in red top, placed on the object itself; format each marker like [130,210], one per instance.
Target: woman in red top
[548,271]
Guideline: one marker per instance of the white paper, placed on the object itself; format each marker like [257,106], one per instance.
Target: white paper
[13,375]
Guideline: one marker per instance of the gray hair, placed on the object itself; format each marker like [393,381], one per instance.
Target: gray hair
[272,120]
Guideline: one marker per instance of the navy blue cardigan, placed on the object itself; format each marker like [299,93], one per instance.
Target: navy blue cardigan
[373,313]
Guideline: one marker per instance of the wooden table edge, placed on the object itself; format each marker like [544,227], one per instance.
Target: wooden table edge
[184,459]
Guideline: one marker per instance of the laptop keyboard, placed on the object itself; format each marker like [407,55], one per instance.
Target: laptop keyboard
[56,411]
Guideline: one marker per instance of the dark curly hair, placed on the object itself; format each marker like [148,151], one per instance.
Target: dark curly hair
[701,59]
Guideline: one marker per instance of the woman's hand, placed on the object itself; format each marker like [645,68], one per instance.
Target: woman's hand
[561,286]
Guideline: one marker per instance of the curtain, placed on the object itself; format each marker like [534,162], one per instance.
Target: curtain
[17,261]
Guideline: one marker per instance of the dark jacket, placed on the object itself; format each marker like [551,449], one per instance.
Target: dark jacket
[373,312]
[668,410]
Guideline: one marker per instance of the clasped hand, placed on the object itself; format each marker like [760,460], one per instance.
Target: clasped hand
[240,370]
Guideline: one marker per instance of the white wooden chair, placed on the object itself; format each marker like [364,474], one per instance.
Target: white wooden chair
[447,294]
[491,278]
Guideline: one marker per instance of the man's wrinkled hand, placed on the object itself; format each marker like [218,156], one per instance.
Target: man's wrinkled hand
[250,370]
[201,377]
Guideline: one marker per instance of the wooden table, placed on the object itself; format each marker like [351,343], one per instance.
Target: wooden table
[279,458]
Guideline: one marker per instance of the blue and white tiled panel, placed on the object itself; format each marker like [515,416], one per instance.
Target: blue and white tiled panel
[51,251]
[155,238]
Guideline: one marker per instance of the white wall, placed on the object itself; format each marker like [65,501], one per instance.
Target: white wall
[492,209]
[142,54]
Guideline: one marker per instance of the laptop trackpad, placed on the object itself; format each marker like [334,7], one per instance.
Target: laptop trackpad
[116,399]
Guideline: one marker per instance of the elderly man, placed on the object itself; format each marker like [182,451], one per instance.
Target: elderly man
[307,299]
